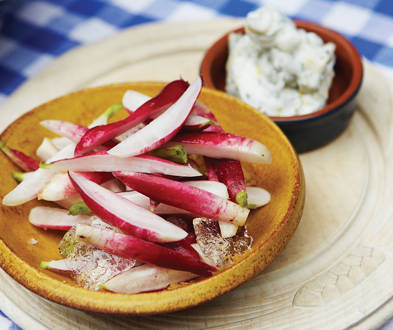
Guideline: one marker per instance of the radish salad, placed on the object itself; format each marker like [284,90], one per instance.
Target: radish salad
[148,201]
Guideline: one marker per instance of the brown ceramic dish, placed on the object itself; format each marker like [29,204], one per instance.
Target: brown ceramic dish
[306,132]
[271,226]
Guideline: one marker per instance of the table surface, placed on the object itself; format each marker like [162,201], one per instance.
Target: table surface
[34,33]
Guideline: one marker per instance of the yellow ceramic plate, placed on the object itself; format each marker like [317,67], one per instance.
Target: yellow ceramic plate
[271,226]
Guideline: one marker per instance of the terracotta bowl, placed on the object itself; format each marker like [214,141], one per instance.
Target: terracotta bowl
[271,226]
[313,130]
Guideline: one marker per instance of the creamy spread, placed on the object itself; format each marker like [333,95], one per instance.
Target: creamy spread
[277,68]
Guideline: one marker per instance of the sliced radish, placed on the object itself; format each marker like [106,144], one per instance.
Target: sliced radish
[137,198]
[125,215]
[68,202]
[127,246]
[214,187]
[19,158]
[200,109]
[181,195]
[20,176]
[57,265]
[195,122]
[65,153]
[106,115]
[105,162]
[146,278]
[60,187]
[100,134]
[230,173]
[257,197]
[64,128]
[161,129]
[61,142]
[224,145]
[113,185]
[132,100]
[199,118]
[46,150]
[28,189]
[56,218]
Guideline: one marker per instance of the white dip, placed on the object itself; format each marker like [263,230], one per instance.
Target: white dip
[277,68]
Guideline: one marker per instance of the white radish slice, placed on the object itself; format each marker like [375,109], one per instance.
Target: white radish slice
[105,162]
[46,150]
[58,188]
[132,100]
[125,215]
[257,197]
[161,129]
[65,153]
[56,218]
[61,142]
[28,189]
[57,265]
[214,187]
[146,278]
[66,129]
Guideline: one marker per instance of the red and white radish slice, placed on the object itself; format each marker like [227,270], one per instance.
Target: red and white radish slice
[181,195]
[136,197]
[202,110]
[105,162]
[132,100]
[19,158]
[57,265]
[60,187]
[224,145]
[161,129]
[257,197]
[56,218]
[28,189]
[46,150]
[127,216]
[101,134]
[64,128]
[127,246]
[144,201]
[230,173]
[146,278]
[195,122]
[199,118]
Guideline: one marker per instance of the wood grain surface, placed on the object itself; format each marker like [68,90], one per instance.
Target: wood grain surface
[336,271]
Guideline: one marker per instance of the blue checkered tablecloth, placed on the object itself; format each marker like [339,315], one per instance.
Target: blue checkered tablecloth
[34,33]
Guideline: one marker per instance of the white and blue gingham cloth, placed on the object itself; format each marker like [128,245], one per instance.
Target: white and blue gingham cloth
[35,32]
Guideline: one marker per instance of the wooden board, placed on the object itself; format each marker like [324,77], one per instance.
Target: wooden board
[336,271]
